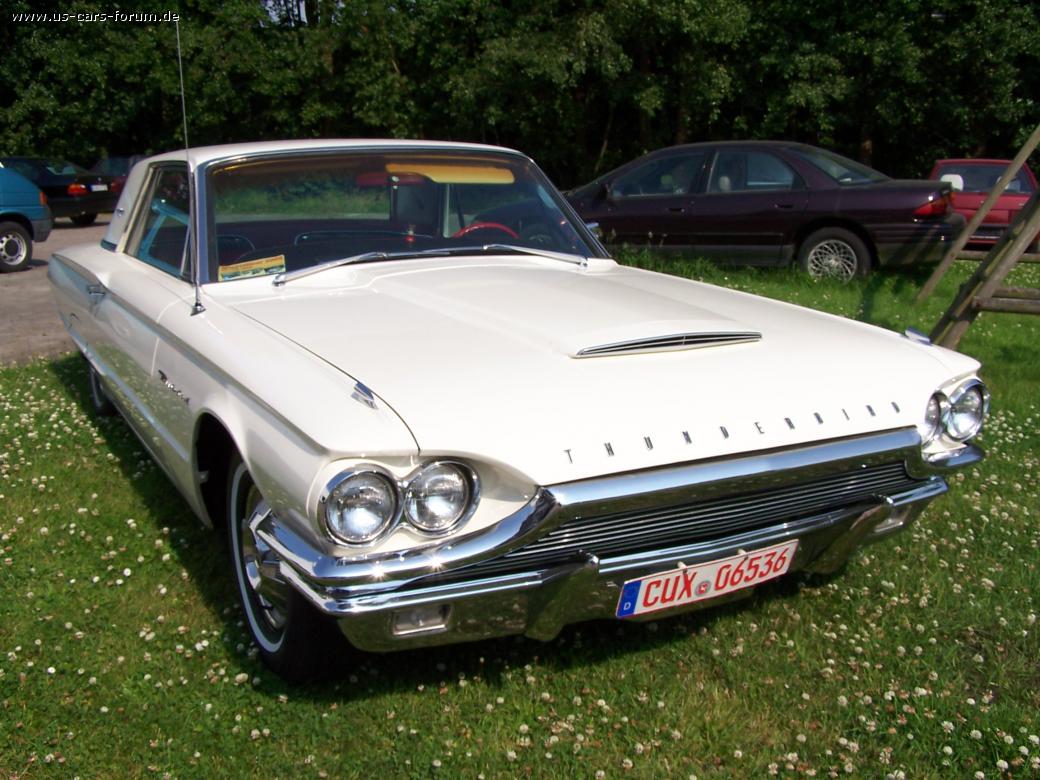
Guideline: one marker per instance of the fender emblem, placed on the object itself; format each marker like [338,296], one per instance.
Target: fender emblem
[172,387]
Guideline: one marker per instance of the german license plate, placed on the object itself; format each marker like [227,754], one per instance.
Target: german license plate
[99,188]
[694,583]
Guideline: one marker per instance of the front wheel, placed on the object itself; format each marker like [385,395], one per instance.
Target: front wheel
[99,400]
[834,253]
[15,247]
[295,640]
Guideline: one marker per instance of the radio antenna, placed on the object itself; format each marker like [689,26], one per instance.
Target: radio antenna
[197,307]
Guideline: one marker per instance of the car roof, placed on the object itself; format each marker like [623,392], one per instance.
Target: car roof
[972,161]
[202,155]
[748,143]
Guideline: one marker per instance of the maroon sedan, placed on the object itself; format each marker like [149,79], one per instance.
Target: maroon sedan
[771,203]
[973,180]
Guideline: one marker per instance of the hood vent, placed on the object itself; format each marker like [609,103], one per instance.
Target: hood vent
[667,343]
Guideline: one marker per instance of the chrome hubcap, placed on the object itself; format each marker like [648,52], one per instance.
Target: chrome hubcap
[833,258]
[12,249]
[260,565]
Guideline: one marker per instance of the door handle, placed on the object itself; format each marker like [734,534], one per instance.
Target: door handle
[96,290]
[785,205]
[677,209]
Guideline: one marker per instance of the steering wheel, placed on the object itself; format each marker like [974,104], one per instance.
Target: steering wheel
[484,226]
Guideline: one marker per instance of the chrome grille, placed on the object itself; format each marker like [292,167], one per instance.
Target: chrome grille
[656,528]
[674,341]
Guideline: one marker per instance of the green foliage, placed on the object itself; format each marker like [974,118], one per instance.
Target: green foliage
[581,85]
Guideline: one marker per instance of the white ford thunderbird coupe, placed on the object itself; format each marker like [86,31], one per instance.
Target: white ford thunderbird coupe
[428,408]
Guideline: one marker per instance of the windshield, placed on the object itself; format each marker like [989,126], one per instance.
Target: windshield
[982,177]
[843,170]
[285,214]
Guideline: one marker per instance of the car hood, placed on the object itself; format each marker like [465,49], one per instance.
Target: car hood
[480,361]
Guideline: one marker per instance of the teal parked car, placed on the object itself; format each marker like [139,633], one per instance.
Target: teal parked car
[24,217]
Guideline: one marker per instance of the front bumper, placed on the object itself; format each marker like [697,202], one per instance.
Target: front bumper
[429,597]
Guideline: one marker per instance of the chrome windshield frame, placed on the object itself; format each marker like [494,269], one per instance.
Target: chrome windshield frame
[204,218]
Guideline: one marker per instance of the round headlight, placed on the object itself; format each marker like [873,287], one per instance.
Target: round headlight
[437,497]
[360,506]
[966,412]
[933,419]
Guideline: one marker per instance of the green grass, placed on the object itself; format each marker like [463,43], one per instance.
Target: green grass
[122,652]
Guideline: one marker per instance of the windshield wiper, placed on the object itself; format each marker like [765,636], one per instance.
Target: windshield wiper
[368,257]
[529,250]
[364,257]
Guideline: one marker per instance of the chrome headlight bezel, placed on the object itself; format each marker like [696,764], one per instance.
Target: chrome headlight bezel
[473,489]
[338,482]
[933,418]
[973,388]
[400,488]
[945,439]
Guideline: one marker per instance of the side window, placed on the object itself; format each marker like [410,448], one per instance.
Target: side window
[750,171]
[161,230]
[671,175]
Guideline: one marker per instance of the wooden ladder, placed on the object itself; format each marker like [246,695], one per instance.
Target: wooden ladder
[985,290]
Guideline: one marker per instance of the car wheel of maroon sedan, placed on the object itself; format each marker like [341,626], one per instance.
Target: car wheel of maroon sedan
[834,253]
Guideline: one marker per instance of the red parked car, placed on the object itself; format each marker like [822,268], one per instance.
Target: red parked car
[973,180]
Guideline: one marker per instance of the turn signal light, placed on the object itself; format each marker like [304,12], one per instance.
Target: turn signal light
[43,199]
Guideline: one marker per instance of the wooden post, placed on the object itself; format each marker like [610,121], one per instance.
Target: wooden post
[976,220]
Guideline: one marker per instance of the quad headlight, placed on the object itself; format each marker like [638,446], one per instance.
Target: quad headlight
[933,419]
[360,505]
[363,504]
[957,416]
[966,411]
[437,497]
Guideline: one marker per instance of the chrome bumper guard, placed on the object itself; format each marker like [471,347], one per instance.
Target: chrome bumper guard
[395,602]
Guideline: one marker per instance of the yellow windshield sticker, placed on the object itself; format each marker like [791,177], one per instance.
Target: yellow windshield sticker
[443,173]
[265,265]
